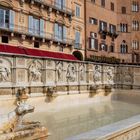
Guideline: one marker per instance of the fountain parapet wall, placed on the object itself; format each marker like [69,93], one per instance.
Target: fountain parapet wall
[67,77]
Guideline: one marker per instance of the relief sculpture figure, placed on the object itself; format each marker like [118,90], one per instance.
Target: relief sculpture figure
[59,70]
[82,73]
[4,73]
[34,72]
[71,73]
[97,74]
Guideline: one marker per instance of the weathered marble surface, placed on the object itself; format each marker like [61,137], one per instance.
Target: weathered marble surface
[128,129]
[37,74]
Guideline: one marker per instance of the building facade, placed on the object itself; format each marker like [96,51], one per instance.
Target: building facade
[112,31]
[42,24]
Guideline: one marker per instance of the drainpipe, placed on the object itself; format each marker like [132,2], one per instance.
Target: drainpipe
[85,27]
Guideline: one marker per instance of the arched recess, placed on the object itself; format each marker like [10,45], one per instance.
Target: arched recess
[78,55]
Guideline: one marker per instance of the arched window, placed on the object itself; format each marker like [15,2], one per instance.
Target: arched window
[123,47]
[135,6]
[135,44]
[135,25]
[123,27]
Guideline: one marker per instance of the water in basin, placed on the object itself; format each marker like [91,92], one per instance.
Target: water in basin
[63,123]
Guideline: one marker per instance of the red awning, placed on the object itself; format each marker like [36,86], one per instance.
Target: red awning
[17,50]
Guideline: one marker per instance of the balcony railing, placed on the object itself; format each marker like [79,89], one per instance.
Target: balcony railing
[106,31]
[34,33]
[56,6]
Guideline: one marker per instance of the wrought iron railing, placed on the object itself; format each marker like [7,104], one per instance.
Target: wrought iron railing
[35,33]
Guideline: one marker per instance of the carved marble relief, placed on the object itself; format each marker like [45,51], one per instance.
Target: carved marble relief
[109,74]
[97,73]
[5,71]
[82,72]
[21,75]
[21,62]
[35,72]
[71,73]
[49,63]
[124,75]
[59,70]
[127,75]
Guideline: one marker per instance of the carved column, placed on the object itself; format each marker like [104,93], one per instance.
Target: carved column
[13,75]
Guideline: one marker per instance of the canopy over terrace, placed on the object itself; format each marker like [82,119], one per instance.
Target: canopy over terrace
[18,50]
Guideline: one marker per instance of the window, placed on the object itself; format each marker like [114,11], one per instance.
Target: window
[135,25]
[135,6]
[77,39]
[36,26]
[60,32]
[123,47]
[123,10]
[111,48]
[135,45]
[5,39]
[123,27]
[77,11]
[112,28]
[103,3]
[103,47]
[93,1]
[112,6]
[6,18]
[93,41]
[93,21]
[36,44]
[61,4]
[103,26]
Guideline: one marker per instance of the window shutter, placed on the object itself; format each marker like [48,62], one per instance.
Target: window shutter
[56,30]
[77,37]
[90,43]
[12,19]
[58,4]
[2,21]
[64,4]
[106,47]
[42,27]
[64,33]
[30,24]
[96,44]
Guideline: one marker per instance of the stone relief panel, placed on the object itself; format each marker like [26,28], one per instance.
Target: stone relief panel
[35,71]
[21,62]
[127,75]
[5,70]
[21,76]
[97,74]
[50,63]
[118,78]
[71,73]
[59,71]
[82,72]
[124,75]
[50,76]
[108,73]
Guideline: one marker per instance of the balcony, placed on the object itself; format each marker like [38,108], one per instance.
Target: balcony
[106,32]
[21,30]
[77,46]
[55,6]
